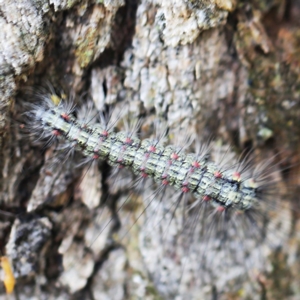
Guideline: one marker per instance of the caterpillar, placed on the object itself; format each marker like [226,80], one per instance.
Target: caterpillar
[237,188]
[161,56]
[232,198]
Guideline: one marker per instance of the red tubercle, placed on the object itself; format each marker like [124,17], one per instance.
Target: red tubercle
[165,182]
[105,133]
[206,198]
[96,156]
[65,116]
[218,174]
[152,148]
[147,155]
[128,140]
[195,164]
[236,176]
[221,208]
[174,156]
[185,189]
[144,175]
[56,132]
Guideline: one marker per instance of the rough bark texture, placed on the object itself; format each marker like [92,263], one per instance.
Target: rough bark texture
[222,68]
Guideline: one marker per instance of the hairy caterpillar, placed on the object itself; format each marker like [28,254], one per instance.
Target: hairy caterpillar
[237,188]
[230,197]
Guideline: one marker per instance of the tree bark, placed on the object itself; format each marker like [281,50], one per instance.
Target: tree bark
[225,69]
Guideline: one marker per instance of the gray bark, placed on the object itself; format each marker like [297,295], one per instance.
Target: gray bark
[225,69]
